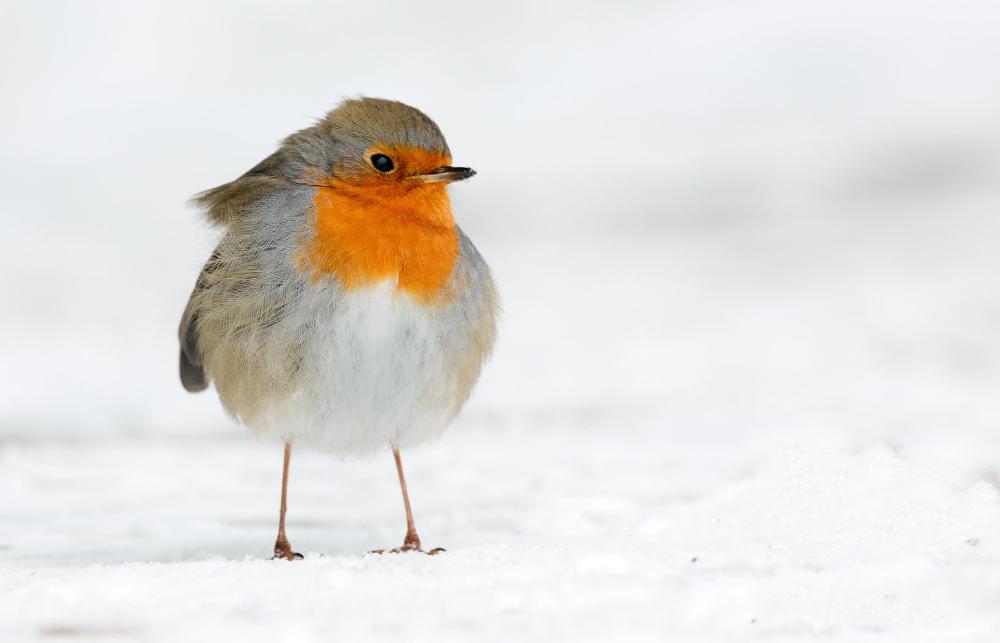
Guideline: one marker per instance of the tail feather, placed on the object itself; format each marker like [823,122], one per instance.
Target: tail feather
[192,375]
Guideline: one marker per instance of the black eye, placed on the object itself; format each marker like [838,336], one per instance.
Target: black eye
[382,163]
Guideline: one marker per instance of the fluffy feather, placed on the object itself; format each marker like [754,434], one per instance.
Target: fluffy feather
[303,352]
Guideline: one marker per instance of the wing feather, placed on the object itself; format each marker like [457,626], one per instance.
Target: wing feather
[192,371]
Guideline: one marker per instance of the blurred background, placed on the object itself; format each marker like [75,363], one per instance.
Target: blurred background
[719,229]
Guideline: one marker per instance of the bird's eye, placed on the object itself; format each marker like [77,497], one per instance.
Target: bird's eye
[382,163]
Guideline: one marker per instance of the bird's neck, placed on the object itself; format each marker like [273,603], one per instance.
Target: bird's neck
[362,237]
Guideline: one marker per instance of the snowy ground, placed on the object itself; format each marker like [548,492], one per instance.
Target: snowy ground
[746,386]
[575,537]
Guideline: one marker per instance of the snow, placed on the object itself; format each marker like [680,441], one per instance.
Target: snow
[614,543]
[746,384]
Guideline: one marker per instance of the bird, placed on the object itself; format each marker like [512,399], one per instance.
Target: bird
[343,309]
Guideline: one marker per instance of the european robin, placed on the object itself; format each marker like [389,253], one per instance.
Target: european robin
[343,310]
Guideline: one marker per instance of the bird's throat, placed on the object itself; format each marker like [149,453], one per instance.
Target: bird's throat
[364,235]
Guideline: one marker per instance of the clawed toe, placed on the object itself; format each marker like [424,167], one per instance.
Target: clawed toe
[282,550]
[405,550]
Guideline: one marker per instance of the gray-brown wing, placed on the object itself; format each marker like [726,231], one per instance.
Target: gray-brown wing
[230,201]
[192,370]
[232,284]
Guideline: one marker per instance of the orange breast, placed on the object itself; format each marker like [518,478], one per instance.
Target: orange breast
[367,232]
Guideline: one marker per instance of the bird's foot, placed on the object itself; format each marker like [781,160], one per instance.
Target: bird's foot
[412,543]
[404,550]
[283,550]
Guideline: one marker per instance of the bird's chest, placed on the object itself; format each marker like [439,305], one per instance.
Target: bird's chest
[376,341]
[411,241]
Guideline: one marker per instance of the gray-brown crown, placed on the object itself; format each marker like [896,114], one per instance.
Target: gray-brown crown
[335,145]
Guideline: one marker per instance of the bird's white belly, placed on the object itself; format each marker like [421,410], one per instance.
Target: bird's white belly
[375,373]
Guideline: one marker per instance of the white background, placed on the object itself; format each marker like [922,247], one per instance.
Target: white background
[746,384]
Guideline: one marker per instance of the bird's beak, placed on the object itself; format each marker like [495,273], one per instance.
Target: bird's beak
[446,174]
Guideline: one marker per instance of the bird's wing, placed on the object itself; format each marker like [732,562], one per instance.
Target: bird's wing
[229,201]
[224,204]
[191,369]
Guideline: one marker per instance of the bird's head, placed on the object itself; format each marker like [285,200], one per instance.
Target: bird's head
[368,151]
[379,145]
[380,208]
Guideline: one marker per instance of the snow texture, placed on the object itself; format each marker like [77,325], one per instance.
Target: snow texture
[746,383]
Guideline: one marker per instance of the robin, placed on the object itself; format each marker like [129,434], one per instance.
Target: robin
[343,310]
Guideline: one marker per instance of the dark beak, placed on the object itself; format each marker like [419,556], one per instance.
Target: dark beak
[447,174]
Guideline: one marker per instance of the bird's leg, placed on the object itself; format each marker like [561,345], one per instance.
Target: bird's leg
[281,547]
[412,540]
